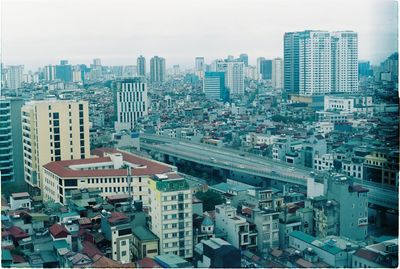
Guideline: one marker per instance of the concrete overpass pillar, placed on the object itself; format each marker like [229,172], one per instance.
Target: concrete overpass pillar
[380,218]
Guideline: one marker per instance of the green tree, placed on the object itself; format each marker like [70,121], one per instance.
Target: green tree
[210,199]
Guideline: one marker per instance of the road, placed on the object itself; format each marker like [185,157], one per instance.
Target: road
[253,165]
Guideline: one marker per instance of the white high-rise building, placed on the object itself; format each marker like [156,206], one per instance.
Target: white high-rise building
[321,62]
[130,102]
[234,76]
[344,62]
[199,67]
[49,72]
[277,73]
[53,130]
[15,76]
[170,212]
[315,63]
[259,67]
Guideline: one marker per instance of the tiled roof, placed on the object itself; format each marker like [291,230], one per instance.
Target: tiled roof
[116,217]
[90,249]
[148,263]
[17,232]
[58,231]
[366,254]
[61,168]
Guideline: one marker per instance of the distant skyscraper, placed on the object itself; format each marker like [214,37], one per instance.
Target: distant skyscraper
[15,76]
[234,76]
[244,58]
[64,71]
[97,62]
[291,62]
[176,69]
[199,67]
[49,72]
[364,69]
[141,66]
[344,46]
[214,86]
[320,62]
[130,102]
[277,73]
[53,130]
[266,69]
[157,69]
[259,67]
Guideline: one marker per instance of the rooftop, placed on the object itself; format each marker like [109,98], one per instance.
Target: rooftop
[143,166]
[144,234]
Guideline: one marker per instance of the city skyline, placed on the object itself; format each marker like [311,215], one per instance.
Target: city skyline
[120,39]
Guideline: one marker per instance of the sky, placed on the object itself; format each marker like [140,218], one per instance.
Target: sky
[40,32]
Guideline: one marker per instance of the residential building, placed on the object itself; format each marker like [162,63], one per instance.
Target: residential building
[277,73]
[234,76]
[260,60]
[327,251]
[130,102]
[117,229]
[214,86]
[216,253]
[266,69]
[244,58]
[380,255]
[170,211]
[64,71]
[321,62]
[53,130]
[20,200]
[15,76]
[141,66]
[291,62]
[354,219]
[157,69]
[105,172]
[199,67]
[344,45]
[237,229]
[145,243]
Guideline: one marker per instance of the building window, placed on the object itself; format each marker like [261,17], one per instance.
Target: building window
[123,253]
[123,243]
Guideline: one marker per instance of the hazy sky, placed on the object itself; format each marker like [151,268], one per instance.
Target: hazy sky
[40,32]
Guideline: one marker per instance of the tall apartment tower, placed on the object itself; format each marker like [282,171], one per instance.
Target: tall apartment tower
[49,72]
[199,67]
[11,159]
[259,67]
[141,66]
[130,102]
[157,69]
[171,215]
[64,71]
[344,62]
[291,62]
[53,130]
[244,58]
[214,86]
[234,76]
[321,62]
[315,63]
[15,76]
[277,73]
